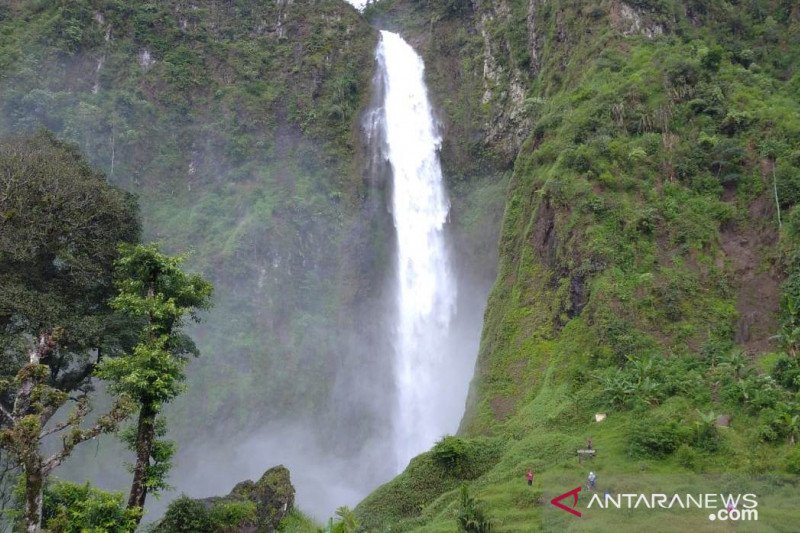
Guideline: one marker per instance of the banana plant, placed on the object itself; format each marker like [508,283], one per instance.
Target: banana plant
[791,425]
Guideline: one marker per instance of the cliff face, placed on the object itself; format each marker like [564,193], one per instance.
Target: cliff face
[647,239]
[641,211]
[237,124]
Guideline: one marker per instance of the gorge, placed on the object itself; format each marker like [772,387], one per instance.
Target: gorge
[487,219]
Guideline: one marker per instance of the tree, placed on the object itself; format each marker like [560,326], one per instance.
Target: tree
[35,404]
[60,223]
[155,292]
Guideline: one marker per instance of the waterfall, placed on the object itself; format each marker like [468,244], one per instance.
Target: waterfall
[425,289]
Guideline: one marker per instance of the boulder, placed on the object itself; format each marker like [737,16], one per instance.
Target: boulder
[272,495]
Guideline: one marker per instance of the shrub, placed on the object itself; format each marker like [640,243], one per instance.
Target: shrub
[655,438]
[72,508]
[648,221]
[618,388]
[466,459]
[450,452]
[792,463]
[766,430]
[786,372]
[346,521]
[683,72]
[787,181]
[793,222]
[185,515]
[757,392]
[711,58]
[232,515]
[686,456]
[735,121]
[706,436]
[471,517]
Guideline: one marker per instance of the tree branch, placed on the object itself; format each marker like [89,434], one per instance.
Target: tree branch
[55,429]
[6,412]
[105,424]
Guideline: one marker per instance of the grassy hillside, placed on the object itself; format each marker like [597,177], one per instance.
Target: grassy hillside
[647,270]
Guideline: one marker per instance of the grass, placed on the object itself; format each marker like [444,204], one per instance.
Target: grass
[550,452]
[298,522]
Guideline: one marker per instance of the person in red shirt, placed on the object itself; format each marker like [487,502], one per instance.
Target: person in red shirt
[530,477]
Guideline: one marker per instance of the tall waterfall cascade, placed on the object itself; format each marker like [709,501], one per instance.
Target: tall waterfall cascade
[428,406]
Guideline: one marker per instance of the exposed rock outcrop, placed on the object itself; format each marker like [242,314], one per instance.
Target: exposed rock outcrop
[272,496]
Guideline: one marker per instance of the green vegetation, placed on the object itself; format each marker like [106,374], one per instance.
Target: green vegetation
[72,508]
[59,241]
[156,293]
[648,239]
[647,154]
[193,516]
[264,505]
[67,246]
[346,521]
[186,515]
[471,518]
[61,224]
[297,522]
[236,124]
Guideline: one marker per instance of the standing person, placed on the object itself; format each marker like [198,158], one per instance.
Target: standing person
[592,480]
[589,444]
[530,477]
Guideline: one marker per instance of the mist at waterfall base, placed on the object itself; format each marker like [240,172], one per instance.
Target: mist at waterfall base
[405,357]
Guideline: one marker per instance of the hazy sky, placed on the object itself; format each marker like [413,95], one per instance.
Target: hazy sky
[358,3]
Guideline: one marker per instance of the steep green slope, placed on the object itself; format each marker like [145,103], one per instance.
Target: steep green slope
[642,258]
[236,123]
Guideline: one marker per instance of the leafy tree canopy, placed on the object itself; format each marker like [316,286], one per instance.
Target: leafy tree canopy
[60,223]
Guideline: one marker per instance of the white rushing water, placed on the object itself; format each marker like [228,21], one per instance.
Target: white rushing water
[426,292]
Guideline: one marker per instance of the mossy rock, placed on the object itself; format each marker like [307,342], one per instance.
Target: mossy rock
[251,506]
[273,495]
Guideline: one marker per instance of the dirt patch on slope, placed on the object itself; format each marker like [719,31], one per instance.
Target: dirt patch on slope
[755,278]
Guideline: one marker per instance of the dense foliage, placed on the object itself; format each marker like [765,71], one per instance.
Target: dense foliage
[192,516]
[60,223]
[648,258]
[155,292]
[235,122]
[72,508]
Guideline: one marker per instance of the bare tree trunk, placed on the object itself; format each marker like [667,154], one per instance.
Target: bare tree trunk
[145,434]
[34,483]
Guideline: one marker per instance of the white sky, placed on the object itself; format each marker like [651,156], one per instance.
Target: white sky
[359,4]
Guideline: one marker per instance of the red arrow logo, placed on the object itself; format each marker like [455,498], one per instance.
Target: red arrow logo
[574,493]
